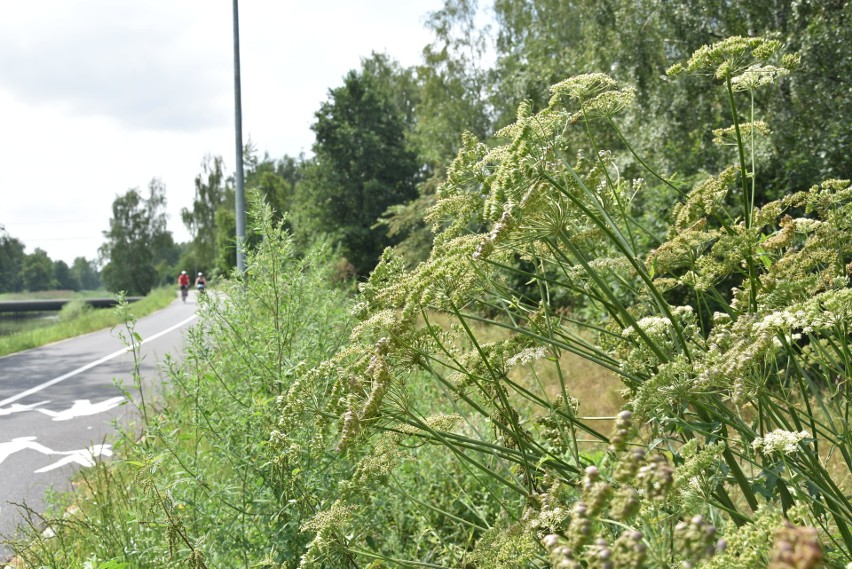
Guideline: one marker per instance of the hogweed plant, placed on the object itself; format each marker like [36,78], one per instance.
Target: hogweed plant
[730,335]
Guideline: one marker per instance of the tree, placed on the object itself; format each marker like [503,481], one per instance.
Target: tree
[212,191]
[37,272]
[137,240]
[541,42]
[11,262]
[84,273]
[274,181]
[452,99]
[64,279]
[363,163]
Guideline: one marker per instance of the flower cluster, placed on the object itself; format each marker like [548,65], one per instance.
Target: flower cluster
[780,441]
[796,548]
[696,540]
[737,57]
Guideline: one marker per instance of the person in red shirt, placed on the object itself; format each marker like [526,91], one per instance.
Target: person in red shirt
[183,281]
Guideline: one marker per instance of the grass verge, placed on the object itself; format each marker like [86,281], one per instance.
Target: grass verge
[83,322]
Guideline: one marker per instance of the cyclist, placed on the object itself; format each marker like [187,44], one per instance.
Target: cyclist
[183,282]
[200,282]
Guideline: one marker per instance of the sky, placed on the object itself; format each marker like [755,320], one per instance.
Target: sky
[100,96]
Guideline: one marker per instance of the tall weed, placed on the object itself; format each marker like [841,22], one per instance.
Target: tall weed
[203,486]
[730,335]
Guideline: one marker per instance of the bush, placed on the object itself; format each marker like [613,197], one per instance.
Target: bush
[74,309]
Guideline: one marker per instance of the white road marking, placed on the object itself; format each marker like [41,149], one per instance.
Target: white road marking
[89,366]
[20,443]
[18,408]
[83,407]
[84,457]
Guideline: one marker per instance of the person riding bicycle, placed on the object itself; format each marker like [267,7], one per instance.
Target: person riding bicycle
[200,282]
[183,282]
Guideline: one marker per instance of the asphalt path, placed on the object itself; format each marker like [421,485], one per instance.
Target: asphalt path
[59,405]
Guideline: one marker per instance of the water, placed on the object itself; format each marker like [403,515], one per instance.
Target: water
[13,323]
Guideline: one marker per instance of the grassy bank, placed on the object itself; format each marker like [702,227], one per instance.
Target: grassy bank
[76,319]
[459,414]
[54,295]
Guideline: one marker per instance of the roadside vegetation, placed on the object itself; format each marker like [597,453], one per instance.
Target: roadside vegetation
[53,294]
[575,377]
[77,317]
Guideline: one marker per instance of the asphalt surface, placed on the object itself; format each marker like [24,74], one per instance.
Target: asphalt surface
[59,405]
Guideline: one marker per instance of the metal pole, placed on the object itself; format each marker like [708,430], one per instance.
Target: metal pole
[238,115]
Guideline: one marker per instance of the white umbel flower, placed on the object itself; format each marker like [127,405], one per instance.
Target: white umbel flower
[779,440]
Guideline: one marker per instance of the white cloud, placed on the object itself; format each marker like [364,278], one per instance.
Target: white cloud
[99,96]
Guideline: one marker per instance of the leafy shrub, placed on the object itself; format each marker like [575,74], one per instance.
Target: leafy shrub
[74,309]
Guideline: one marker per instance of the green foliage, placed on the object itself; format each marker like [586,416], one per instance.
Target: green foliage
[363,163]
[446,430]
[212,192]
[84,274]
[206,486]
[74,309]
[137,241]
[11,262]
[64,279]
[746,404]
[37,272]
[76,320]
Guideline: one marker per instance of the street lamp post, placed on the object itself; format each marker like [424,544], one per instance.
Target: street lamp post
[240,205]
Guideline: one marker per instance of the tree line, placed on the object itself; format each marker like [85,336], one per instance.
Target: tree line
[36,271]
[385,137]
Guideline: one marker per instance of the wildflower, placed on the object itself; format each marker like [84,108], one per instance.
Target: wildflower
[728,135]
[629,465]
[561,556]
[695,539]
[580,527]
[729,57]
[623,428]
[526,356]
[600,554]
[656,477]
[597,94]
[795,548]
[757,75]
[625,503]
[629,550]
[596,492]
[780,441]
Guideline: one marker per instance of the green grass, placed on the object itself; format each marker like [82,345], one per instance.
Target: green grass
[55,295]
[83,323]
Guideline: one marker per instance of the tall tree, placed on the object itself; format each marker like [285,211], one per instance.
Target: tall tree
[453,98]
[275,181]
[11,262]
[212,191]
[64,279]
[137,240]
[85,273]
[363,163]
[37,272]
[540,42]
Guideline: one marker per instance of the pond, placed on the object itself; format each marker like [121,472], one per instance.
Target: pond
[13,323]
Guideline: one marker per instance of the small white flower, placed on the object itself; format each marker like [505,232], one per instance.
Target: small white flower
[779,440]
[526,356]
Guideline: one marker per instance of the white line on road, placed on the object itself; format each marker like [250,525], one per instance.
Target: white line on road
[89,366]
